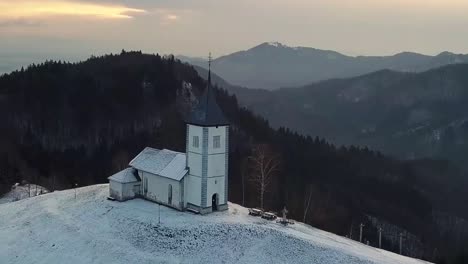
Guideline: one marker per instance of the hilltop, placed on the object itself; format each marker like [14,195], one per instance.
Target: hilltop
[56,227]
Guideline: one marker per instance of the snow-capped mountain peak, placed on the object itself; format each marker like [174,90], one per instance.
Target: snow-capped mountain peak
[275,44]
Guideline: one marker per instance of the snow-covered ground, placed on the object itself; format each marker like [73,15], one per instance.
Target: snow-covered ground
[57,228]
[20,192]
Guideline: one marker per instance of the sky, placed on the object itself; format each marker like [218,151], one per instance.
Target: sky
[196,27]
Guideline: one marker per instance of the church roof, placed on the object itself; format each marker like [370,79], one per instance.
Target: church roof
[126,176]
[166,163]
[207,112]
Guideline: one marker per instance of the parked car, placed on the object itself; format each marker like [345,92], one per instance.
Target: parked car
[255,212]
[285,222]
[269,216]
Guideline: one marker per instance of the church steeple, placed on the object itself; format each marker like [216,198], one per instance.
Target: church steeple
[207,112]
[209,70]
[207,152]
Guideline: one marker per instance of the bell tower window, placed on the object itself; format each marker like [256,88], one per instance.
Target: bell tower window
[195,142]
[217,142]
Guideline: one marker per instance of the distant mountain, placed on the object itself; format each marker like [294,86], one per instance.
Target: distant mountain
[408,115]
[274,65]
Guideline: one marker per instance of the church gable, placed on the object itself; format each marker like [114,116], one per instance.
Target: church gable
[128,175]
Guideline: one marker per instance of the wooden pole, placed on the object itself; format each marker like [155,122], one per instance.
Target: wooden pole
[380,237]
[401,243]
[360,232]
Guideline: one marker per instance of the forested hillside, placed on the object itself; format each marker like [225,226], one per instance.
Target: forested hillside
[406,115]
[79,123]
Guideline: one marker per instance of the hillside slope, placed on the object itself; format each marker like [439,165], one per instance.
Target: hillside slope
[20,192]
[57,228]
[408,115]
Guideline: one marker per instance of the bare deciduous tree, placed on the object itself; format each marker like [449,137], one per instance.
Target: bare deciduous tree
[244,169]
[264,164]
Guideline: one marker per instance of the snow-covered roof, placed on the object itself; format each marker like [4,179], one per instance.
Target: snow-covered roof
[165,163]
[126,176]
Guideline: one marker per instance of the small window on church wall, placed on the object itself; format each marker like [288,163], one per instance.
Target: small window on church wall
[169,195]
[216,142]
[195,143]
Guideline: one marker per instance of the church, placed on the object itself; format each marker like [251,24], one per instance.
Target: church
[196,180]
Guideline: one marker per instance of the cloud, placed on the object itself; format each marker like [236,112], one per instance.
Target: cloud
[24,9]
[20,23]
[172,15]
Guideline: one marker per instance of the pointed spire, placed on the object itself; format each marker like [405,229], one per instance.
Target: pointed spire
[209,70]
[207,112]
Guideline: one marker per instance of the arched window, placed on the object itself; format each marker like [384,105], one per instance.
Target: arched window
[169,194]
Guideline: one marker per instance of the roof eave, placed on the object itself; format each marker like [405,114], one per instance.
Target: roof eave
[119,181]
[208,124]
[155,174]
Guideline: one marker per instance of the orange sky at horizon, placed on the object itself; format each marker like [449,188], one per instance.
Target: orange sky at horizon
[35,9]
[191,27]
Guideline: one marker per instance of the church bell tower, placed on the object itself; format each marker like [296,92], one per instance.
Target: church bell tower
[207,150]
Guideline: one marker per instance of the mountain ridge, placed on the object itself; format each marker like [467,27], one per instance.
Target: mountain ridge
[407,100]
[274,65]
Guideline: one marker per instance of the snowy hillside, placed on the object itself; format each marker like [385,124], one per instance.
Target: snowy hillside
[56,228]
[20,192]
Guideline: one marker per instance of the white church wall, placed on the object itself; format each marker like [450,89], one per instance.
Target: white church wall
[195,164]
[216,165]
[215,170]
[128,190]
[122,191]
[194,157]
[215,185]
[115,190]
[193,190]
[158,190]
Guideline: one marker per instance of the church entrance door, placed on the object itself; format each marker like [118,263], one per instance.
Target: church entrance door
[214,202]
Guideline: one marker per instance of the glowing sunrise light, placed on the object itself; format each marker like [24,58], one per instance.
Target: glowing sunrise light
[172,17]
[39,9]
